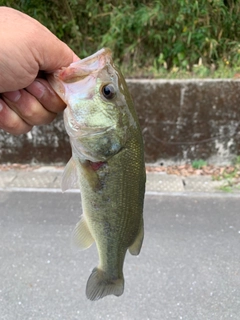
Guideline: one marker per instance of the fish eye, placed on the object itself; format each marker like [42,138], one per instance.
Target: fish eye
[108,91]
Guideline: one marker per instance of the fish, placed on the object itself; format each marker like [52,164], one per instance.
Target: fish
[107,165]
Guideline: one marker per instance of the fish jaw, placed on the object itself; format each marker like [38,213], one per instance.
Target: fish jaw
[79,71]
[83,68]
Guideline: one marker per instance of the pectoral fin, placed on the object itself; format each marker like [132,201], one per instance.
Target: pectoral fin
[69,178]
[135,248]
[81,236]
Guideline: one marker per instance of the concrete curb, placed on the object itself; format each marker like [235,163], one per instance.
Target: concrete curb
[181,120]
[49,179]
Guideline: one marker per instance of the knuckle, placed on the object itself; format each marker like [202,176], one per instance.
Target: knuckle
[10,121]
[21,131]
[16,127]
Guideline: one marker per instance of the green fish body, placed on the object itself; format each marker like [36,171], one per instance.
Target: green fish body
[107,164]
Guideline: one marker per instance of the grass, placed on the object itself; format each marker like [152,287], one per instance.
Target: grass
[198,164]
[236,161]
[226,188]
[230,176]
[199,71]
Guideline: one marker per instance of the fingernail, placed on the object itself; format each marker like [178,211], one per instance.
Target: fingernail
[37,89]
[13,96]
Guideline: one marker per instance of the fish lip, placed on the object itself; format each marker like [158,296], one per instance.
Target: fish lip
[83,68]
[101,56]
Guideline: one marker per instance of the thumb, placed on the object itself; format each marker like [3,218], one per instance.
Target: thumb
[29,35]
[53,53]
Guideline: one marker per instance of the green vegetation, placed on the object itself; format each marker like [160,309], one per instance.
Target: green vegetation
[198,164]
[236,161]
[231,176]
[226,188]
[151,38]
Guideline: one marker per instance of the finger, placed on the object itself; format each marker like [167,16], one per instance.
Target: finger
[75,57]
[47,54]
[44,93]
[51,60]
[11,122]
[28,107]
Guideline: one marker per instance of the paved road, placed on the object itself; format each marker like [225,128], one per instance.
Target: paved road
[189,267]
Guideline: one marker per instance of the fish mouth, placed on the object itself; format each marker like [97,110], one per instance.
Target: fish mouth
[83,68]
[79,72]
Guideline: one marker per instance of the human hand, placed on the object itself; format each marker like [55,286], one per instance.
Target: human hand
[26,98]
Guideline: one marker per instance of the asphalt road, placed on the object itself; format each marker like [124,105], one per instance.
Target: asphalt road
[189,267]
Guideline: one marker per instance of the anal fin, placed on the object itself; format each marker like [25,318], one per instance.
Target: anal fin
[135,248]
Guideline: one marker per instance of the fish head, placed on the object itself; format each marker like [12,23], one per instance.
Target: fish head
[99,113]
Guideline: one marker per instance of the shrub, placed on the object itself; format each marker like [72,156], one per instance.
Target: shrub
[145,35]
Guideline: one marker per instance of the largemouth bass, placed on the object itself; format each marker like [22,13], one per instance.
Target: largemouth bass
[107,164]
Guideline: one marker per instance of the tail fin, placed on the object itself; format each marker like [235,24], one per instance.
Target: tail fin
[100,285]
